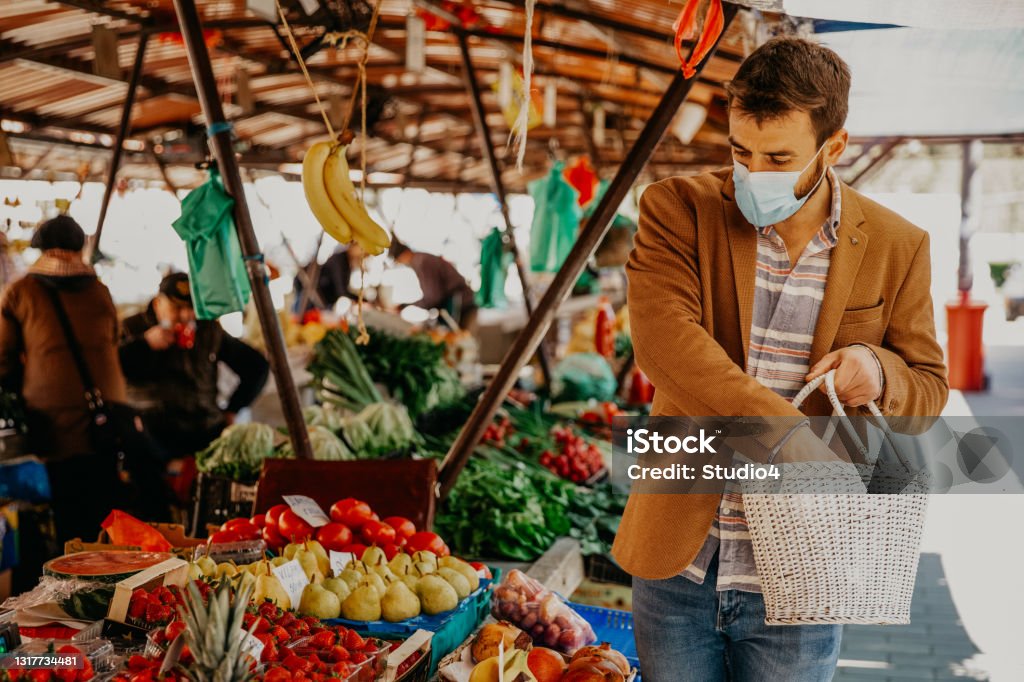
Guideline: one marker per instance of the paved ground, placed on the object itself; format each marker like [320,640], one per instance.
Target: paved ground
[934,646]
[968,598]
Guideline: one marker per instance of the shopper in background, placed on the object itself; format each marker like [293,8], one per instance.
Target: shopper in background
[744,284]
[36,361]
[334,281]
[442,285]
[171,363]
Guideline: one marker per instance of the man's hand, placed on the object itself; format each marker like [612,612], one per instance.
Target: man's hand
[159,338]
[858,380]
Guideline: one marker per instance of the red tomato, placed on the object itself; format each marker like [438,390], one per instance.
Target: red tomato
[404,528]
[293,528]
[334,536]
[425,541]
[274,513]
[272,537]
[481,569]
[378,533]
[259,520]
[356,549]
[222,537]
[352,512]
[390,551]
[244,527]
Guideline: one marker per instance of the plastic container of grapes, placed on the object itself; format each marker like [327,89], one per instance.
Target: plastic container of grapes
[100,652]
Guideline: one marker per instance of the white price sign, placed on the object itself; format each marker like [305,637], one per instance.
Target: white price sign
[253,647]
[307,509]
[293,580]
[339,560]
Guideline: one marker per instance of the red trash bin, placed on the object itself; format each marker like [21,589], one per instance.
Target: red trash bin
[964,320]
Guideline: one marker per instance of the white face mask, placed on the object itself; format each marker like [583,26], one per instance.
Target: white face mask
[769,197]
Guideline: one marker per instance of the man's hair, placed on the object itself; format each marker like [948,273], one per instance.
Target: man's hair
[397,248]
[791,74]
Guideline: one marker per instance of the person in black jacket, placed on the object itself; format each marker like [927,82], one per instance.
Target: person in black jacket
[170,361]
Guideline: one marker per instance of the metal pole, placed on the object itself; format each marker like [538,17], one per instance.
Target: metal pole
[886,150]
[484,133]
[587,241]
[220,141]
[122,133]
[970,211]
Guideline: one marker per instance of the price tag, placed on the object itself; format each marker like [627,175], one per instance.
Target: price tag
[307,509]
[253,647]
[293,580]
[339,560]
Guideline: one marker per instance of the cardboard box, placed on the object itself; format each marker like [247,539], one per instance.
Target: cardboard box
[170,572]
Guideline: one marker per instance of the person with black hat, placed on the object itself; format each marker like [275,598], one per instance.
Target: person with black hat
[37,361]
[171,363]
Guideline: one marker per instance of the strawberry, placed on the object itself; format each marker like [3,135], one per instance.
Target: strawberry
[353,642]
[324,639]
[339,654]
[296,664]
[173,629]
[359,657]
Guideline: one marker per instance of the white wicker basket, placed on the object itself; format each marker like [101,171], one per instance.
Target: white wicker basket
[836,558]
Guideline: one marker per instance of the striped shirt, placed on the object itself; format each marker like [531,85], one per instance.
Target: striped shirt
[787,300]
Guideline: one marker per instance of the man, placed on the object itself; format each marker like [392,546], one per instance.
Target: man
[334,281]
[170,361]
[744,284]
[442,285]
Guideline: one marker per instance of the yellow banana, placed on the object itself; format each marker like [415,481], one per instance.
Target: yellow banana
[317,196]
[371,236]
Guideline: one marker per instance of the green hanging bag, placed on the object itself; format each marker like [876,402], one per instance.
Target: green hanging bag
[217,273]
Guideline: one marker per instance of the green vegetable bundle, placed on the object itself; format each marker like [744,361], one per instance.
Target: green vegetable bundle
[238,452]
[412,368]
[339,374]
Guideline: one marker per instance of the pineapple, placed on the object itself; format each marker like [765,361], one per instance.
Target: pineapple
[215,634]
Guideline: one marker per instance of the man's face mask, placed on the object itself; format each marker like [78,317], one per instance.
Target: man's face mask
[769,197]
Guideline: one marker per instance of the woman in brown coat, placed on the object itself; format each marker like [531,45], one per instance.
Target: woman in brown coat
[36,362]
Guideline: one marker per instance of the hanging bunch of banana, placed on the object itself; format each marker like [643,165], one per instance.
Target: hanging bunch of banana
[332,198]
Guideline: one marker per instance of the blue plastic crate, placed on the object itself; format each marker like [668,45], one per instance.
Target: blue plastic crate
[612,626]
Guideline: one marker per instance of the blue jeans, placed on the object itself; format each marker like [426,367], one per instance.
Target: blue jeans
[687,632]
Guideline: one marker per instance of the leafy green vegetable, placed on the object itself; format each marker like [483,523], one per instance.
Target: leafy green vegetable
[379,429]
[505,506]
[328,416]
[238,452]
[326,446]
[412,368]
[339,374]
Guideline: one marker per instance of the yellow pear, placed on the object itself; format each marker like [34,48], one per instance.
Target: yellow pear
[268,587]
[226,570]
[462,567]
[207,566]
[310,565]
[322,557]
[400,563]
[290,549]
[362,604]
[279,561]
[456,580]
[422,568]
[373,556]
[376,582]
[399,603]
[194,572]
[338,586]
[425,557]
[319,603]
[351,577]
[436,595]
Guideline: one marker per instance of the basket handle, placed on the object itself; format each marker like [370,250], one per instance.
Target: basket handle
[829,379]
